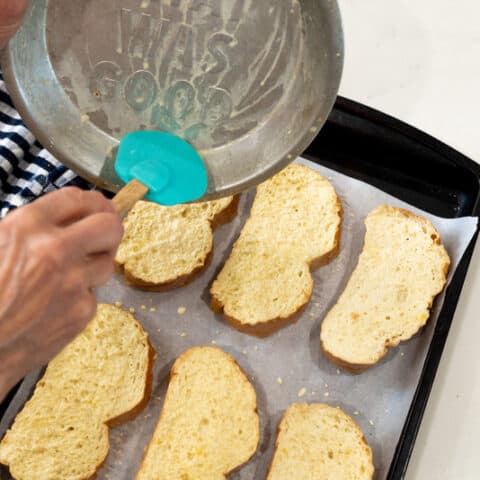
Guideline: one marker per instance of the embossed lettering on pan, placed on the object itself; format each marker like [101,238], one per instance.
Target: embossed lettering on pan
[206,70]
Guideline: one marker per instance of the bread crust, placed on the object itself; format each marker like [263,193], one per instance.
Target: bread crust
[131,414]
[173,373]
[166,286]
[389,343]
[222,218]
[265,329]
[279,429]
[127,416]
[350,367]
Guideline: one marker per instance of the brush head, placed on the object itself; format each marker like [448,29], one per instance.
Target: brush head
[171,168]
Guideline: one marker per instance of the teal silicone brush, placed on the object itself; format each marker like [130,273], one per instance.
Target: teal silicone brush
[159,166]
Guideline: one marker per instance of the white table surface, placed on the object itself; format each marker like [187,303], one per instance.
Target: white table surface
[419,60]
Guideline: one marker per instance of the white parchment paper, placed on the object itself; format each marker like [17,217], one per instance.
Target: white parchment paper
[289,362]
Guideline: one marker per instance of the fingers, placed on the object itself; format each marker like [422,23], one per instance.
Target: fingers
[100,233]
[71,204]
[99,269]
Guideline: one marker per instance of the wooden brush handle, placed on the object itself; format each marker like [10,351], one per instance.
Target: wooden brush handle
[130,194]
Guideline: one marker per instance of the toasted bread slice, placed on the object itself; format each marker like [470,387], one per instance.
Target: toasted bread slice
[401,269]
[209,424]
[98,379]
[294,226]
[320,442]
[165,247]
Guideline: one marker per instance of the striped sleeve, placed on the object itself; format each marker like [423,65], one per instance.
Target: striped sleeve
[27,170]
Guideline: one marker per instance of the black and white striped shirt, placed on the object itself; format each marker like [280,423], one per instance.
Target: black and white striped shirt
[27,170]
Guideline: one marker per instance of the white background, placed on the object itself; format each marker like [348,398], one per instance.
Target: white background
[419,60]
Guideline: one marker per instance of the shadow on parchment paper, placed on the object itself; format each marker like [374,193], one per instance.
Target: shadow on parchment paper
[325,365]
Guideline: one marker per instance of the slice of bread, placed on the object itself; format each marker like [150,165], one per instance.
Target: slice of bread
[320,442]
[401,269]
[294,226]
[165,247]
[209,424]
[100,378]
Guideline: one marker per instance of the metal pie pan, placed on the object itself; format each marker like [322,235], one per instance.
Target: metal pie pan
[248,83]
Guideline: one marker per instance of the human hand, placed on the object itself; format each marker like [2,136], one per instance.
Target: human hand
[11,16]
[54,252]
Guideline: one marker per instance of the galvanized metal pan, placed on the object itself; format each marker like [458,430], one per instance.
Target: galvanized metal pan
[248,83]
